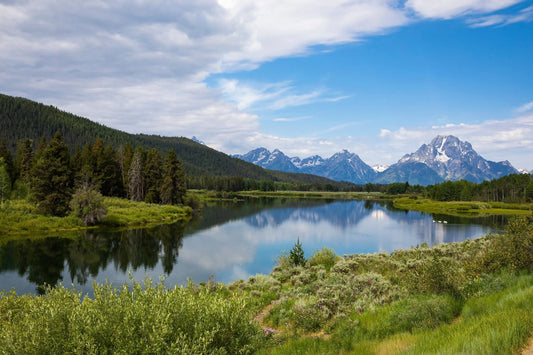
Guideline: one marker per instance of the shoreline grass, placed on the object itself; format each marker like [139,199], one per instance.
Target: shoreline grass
[20,217]
[464,208]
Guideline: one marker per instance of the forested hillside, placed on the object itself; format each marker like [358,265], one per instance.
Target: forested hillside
[22,118]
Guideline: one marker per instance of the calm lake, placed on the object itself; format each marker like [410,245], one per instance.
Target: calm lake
[230,241]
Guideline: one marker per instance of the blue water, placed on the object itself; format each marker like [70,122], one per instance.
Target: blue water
[229,242]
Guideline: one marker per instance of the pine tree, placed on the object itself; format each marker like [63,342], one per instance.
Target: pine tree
[52,178]
[152,174]
[125,156]
[296,254]
[5,182]
[173,185]
[25,159]
[135,177]
[108,171]
[9,165]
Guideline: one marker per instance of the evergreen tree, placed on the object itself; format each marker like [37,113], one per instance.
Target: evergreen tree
[529,191]
[296,254]
[173,185]
[135,176]
[108,171]
[25,159]
[87,166]
[152,175]
[5,182]
[52,178]
[9,165]
[125,156]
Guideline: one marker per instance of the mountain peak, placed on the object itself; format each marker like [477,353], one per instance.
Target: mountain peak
[341,166]
[453,159]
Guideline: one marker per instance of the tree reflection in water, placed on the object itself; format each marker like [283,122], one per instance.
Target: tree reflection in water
[85,255]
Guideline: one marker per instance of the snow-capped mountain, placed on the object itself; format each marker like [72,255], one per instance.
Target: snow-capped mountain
[452,159]
[445,158]
[379,168]
[275,160]
[342,166]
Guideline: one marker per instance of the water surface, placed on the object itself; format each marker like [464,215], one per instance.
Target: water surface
[229,242]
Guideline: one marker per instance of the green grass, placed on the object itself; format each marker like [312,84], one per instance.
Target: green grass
[500,323]
[20,217]
[467,208]
[126,213]
[317,194]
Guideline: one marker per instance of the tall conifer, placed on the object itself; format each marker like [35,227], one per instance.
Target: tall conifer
[52,178]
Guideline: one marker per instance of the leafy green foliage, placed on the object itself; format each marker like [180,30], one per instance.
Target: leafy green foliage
[325,257]
[88,205]
[130,319]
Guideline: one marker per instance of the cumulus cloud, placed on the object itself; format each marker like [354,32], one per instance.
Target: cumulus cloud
[141,66]
[496,140]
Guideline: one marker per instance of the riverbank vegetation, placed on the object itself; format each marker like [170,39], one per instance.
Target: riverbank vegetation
[463,208]
[470,297]
[22,217]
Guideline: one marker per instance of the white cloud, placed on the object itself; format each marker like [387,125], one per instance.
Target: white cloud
[271,96]
[291,119]
[525,107]
[447,9]
[496,140]
[502,20]
[140,66]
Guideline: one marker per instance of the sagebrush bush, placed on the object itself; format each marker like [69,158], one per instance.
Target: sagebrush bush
[138,319]
[325,257]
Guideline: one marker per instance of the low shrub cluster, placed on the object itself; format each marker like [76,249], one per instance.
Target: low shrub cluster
[142,318]
[362,299]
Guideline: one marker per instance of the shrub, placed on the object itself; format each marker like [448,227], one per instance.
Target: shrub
[88,205]
[142,318]
[325,257]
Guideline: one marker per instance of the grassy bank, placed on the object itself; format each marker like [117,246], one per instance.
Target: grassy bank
[317,194]
[460,208]
[21,217]
[473,297]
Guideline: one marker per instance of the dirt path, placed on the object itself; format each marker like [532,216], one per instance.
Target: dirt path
[259,318]
[529,349]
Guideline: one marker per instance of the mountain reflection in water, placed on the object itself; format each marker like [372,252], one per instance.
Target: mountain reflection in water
[230,241]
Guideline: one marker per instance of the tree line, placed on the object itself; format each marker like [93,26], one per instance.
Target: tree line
[49,175]
[514,188]
[21,118]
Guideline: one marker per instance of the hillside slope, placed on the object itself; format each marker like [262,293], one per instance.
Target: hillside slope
[22,118]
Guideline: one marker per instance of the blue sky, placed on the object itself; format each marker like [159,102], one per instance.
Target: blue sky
[376,77]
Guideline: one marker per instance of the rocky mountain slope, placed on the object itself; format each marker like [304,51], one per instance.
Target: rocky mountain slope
[444,158]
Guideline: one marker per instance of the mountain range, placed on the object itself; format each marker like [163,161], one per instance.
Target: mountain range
[444,158]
